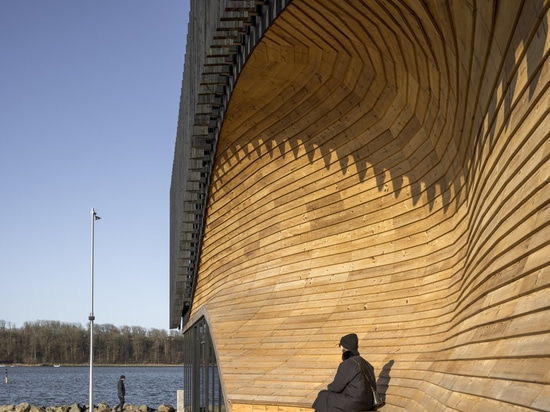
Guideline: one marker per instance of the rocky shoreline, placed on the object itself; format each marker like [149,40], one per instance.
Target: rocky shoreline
[100,407]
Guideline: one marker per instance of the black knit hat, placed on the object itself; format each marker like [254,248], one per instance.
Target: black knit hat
[350,342]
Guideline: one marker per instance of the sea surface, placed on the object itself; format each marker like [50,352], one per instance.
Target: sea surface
[50,386]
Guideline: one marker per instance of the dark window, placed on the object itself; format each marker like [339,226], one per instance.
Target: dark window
[201,383]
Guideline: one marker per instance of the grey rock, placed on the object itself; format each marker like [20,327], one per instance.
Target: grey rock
[23,407]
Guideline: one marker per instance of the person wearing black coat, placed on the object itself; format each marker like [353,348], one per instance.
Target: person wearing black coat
[121,391]
[350,391]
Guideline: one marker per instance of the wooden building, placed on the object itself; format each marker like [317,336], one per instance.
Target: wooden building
[370,166]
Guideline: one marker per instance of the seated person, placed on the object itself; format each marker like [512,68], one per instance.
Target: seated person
[352,387]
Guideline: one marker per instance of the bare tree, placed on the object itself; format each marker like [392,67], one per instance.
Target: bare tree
[51,342]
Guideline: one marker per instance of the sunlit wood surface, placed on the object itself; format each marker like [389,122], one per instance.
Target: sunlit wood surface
[382,169]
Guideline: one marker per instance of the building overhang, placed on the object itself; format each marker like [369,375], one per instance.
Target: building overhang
[212,66]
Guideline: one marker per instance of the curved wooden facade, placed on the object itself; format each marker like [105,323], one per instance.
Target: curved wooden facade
[377,167]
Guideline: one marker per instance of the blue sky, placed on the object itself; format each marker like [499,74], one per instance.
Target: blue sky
[89,100]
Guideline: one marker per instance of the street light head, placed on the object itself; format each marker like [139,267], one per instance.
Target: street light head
[94,214]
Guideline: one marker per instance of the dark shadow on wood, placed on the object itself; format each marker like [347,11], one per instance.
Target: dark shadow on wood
[383,381]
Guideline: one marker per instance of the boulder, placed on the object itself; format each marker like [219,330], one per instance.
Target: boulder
[101,407]
[131,408]
[75,407]
[23,407]
[64,408]
[7,408]
[38,409]
[165,408]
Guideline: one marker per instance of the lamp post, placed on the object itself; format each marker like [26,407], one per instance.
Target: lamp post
[91,318]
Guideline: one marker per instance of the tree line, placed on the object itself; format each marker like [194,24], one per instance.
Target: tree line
[47,342]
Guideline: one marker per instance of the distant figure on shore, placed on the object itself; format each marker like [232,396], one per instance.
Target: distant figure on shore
[121,390]
[350,391]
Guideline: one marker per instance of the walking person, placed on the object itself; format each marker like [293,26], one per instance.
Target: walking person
[121,391]
[353,385]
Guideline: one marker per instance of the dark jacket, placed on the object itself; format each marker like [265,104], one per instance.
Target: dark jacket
[350,390]
[121,389]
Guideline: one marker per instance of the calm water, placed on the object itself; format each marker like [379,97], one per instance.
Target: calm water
[49,386]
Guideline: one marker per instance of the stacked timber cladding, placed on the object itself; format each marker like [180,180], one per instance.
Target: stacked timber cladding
[378,167]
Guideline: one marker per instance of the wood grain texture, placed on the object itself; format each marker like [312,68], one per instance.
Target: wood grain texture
[382,168]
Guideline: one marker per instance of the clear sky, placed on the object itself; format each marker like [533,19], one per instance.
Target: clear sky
[89,100]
